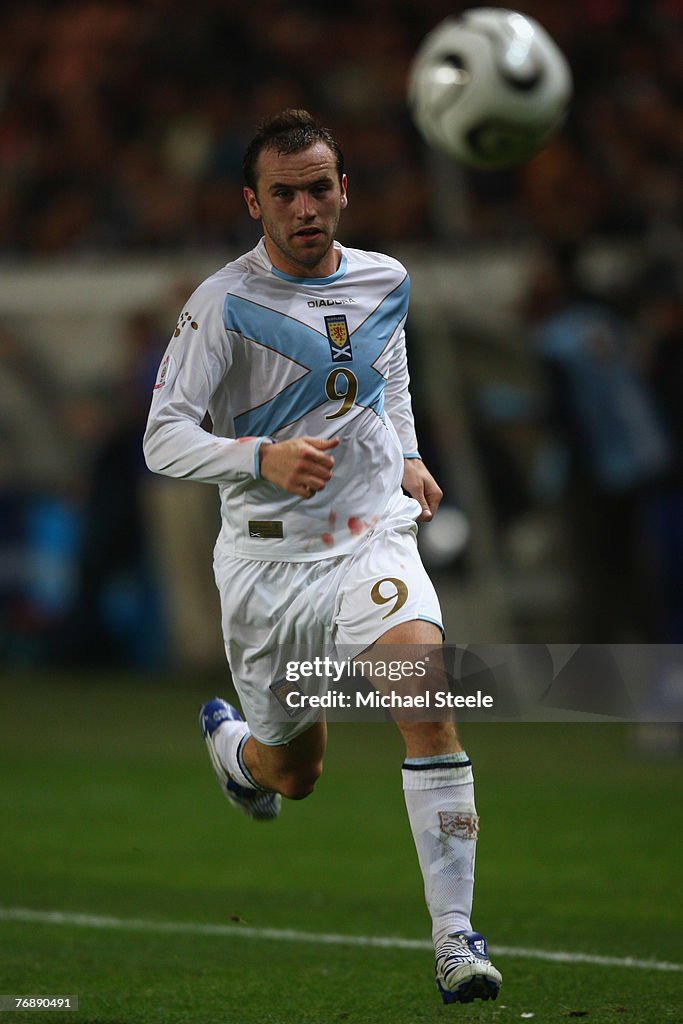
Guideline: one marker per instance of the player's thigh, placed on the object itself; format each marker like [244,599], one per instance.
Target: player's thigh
[271,612]
[414,631]
[386,587]
[438,735]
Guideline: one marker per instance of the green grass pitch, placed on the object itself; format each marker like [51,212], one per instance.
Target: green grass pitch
[110,809]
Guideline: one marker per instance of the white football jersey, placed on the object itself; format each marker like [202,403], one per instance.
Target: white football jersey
[272,357]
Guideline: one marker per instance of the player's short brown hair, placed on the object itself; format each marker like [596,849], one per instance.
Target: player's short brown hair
[288,132]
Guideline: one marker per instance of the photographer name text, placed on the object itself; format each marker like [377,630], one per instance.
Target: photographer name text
[338,699]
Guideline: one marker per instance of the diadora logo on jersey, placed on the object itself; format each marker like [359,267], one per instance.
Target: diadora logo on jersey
[338,337]
[321,303]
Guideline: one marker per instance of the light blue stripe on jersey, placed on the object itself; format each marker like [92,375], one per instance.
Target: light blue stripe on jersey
[310,348]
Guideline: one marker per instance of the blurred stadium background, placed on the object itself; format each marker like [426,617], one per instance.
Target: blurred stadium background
[121,132]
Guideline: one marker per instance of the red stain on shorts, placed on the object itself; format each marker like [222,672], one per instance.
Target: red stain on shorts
[327,538]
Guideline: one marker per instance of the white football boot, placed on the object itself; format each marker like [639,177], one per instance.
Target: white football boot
[463,969]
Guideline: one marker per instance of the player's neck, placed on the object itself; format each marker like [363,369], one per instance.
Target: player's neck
[325,267]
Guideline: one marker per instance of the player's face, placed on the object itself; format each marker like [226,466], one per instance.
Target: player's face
[299,199]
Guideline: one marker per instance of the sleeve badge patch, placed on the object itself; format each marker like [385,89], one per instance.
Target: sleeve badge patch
[164,371]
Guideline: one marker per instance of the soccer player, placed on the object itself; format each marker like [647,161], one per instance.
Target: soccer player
[297,352]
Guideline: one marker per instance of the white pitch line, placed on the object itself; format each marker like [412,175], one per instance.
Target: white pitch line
[58,917]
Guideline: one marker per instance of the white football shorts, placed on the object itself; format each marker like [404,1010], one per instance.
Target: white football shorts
[345,603]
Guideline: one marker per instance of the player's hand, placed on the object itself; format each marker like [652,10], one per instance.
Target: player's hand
[420,484]
[300,466]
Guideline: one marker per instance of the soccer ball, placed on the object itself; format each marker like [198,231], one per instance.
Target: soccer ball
[489,87]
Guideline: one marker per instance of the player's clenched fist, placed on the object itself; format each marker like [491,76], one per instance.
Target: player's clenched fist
[300,466]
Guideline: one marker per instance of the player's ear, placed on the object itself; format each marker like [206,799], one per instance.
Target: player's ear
[344,196]
[252,202]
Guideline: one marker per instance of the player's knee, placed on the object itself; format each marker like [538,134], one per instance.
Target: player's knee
[299,782]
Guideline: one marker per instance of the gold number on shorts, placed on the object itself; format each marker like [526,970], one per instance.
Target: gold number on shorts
[399,597]
[347,396]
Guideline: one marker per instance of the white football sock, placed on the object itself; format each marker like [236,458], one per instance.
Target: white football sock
[228,742]
[439,794]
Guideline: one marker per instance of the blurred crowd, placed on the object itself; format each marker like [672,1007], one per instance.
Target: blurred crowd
[122,124]
[122,127]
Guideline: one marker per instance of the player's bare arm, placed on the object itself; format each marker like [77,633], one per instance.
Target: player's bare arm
[300,465]
[421,485]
